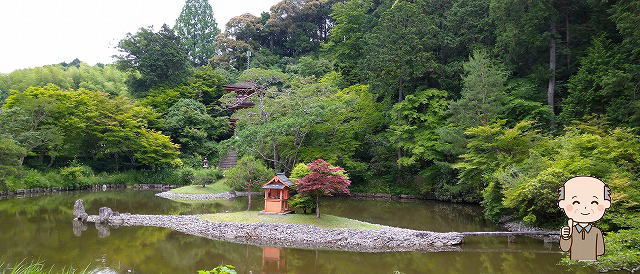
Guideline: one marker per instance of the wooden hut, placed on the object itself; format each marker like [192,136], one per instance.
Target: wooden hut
[276,194]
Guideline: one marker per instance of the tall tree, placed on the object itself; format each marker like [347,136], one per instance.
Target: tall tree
[159,57]
[347,38]
[400,56]
[483,92]
[197,29]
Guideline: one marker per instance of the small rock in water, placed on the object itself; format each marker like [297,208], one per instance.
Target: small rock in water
[105,214]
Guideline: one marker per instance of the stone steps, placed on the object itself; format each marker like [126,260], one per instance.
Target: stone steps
[230,160]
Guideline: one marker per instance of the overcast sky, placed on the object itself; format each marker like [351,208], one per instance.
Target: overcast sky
[40,32]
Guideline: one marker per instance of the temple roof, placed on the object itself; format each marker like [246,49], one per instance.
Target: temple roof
[240,86]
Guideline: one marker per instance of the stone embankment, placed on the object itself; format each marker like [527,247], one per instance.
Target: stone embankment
[510,224]
[278,235]
[205,197]
[33,192]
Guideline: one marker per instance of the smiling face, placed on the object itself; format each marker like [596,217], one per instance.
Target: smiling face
[584,199]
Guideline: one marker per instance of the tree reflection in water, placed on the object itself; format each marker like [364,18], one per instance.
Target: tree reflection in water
[39,228]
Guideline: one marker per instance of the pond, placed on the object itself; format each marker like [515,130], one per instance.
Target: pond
[40,228]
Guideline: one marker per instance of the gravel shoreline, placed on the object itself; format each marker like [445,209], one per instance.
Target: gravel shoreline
[300,236]
[278,235]
[204,197]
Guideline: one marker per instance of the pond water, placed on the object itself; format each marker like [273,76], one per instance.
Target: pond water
[40,228]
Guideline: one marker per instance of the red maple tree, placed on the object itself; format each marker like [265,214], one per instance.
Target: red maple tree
[324,179]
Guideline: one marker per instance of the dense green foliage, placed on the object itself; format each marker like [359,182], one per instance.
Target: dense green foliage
[105,78]
[158,57]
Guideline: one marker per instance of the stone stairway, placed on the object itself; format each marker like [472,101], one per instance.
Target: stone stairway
[230,160]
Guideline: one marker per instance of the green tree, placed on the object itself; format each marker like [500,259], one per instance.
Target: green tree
[87,126]
[193,128]
[414,125]
[11,155]
[483,93]
[158,57]
[489,149]
[248,174]
[204,86]
[197,29]
[397,68]
[347,39]
[32,123]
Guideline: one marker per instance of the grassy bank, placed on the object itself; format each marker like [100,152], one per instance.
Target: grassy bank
[38,267]
[325,221]
[215,188]
[76,177]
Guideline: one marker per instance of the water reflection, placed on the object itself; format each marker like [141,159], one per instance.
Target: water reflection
[273,260]
[38,228]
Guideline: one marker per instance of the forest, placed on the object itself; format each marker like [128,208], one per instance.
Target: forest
[494,102]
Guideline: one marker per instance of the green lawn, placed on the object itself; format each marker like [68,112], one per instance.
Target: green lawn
[215,188]
[325,221]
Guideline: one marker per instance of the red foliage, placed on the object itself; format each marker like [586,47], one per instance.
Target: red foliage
[324,179]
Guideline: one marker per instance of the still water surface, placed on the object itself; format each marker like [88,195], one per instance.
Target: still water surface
[41,228]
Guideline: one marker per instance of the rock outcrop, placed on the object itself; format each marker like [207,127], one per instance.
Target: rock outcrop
[78,211]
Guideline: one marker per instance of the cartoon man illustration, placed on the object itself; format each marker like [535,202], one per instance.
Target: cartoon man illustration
[584,200]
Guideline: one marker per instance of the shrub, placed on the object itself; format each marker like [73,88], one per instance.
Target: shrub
[222,269]
[302,202]
[74,175]
[34,179]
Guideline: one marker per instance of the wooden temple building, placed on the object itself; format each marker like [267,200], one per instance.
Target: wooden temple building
[243,90]
[276,194]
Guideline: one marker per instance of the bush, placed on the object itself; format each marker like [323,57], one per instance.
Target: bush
[222,269]
[207,176]
[34,179]
[302,202]
[73,176]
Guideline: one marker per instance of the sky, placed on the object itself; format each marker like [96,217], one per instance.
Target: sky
[34,33]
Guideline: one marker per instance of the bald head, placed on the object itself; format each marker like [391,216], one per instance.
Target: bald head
[586,180]
[584,199]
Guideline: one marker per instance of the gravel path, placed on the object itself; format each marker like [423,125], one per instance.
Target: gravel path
[204,197]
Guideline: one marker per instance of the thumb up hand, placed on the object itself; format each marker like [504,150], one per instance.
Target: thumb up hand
[567,231]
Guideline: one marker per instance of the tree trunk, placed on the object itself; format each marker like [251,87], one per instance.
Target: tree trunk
[318,206]
[249,200]
[552,68]
[51,160]
[567,34]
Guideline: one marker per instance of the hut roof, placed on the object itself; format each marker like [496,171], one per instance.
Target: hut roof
[284,179]
[281,182]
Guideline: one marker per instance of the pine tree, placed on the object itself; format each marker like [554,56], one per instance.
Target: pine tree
[197,28]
